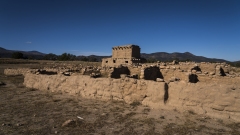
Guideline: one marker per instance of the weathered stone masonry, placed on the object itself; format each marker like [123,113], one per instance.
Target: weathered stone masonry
[215,98]
[124,89]
[123,55]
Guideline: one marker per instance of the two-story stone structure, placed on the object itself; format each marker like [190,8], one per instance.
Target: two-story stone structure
[123,55]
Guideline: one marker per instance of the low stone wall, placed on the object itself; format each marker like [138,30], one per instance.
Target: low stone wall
[19,71]
[218,97]
[22,71]
[125,89]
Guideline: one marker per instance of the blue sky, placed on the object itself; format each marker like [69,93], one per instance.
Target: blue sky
[209,28]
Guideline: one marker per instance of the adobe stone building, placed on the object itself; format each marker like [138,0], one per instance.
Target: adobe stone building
[123,55]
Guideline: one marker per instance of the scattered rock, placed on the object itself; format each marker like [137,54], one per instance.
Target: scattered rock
[212,73]
[79,117]
[180,70]
[198,72]
[172,79]
[19,124]
[159,80]
[123,76]
[69,123]
[162,67]
[104,114]
[95,75]
[194,71]
[67,73]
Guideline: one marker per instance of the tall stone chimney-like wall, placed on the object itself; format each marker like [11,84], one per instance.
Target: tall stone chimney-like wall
[123,55]
[128,51]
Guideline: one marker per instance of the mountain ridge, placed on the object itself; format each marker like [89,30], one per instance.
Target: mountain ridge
[4,53]
[164,56]
[157,56]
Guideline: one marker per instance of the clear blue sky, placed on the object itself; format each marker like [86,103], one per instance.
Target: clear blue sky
[208,28]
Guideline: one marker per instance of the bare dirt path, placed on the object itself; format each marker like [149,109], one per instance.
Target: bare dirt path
[30,111]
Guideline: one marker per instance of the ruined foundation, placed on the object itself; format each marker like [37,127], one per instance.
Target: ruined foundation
[215,99]
[125,89]
[205,88]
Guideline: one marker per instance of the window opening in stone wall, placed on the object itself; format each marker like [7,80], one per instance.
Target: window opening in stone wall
[126,61]
[106,61]
[114,61]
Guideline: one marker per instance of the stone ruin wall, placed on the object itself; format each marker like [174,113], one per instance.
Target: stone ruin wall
[123,89]
[111,62]
[218,98]
[65,70]
[203,98]
[184,71]
[165,71]
[213,94]
[123,55]
[128,51]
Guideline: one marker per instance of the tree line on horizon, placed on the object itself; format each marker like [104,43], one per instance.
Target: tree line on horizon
[51,56]
[153,60]
[71,57]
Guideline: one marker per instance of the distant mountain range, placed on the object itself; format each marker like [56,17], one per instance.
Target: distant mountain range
[160,56]
[163,56]
[4,53]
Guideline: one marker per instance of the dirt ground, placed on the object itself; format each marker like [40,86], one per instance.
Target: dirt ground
[29,111]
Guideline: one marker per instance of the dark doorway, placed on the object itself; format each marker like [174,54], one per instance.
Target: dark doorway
[152,73]
[118,71]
